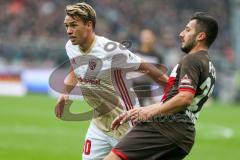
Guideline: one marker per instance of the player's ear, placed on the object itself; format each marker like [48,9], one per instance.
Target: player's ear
[89,24]
[201,36]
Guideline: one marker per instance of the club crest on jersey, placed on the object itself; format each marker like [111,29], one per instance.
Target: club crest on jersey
[92,64]
[186,80]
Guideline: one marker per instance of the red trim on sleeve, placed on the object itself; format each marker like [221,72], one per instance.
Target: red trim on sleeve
[193,91]
[120,154]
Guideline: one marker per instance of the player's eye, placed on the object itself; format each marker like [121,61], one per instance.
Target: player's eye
[73,25]
[70,25]
[187,29]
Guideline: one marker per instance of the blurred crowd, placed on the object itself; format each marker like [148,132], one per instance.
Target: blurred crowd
[32,32]
[32,20]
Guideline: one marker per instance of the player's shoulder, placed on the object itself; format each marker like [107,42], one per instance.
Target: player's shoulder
[71,50]
[105,42]
[198,60]
[196,57]
[102,40]
[69,45]
[109,46]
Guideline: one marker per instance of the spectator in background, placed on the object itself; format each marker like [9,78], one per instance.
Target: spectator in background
[28,27]
[143,84]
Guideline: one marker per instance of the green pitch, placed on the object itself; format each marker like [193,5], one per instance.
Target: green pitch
[30,131]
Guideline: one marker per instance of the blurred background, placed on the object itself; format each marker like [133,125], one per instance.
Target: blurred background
[32,45]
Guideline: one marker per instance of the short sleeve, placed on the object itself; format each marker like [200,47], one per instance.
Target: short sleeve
[190,72]
[126,60]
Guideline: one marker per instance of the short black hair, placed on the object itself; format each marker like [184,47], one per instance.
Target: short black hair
[207,24]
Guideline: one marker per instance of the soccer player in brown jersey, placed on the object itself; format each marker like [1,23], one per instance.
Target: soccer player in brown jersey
[166,130]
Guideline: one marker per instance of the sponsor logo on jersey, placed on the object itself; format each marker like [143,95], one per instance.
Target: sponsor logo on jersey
[90,81]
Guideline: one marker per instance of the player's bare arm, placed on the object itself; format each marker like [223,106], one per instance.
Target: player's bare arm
[174,105]
[69,84]
[156,74]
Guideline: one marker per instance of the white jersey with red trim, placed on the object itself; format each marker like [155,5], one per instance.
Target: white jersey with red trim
[101,72]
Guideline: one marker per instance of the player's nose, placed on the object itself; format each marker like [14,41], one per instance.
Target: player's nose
[69,31]
[181,34]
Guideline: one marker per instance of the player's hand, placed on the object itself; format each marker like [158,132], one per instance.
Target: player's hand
[119,120]
[62,101]
[125,117]
[140,114]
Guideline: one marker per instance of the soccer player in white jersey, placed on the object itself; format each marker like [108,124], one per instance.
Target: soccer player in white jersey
[98,66]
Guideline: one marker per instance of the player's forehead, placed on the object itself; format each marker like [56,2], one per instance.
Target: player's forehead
[68,19]
[192,24]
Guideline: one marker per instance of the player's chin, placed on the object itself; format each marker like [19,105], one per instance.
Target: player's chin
[74,42]
[182,47]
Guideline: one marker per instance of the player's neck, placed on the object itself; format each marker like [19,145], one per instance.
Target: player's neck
[88,45]
[197,48]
